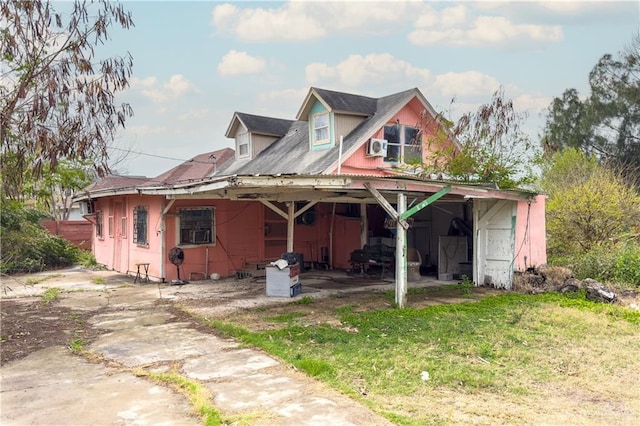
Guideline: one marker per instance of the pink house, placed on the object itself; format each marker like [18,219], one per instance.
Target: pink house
[324,185]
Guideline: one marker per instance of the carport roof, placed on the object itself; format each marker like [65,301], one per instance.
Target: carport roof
[324,188]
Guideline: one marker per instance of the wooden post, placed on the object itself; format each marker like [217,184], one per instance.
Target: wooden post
[364,226]
[401,254]
[291,220]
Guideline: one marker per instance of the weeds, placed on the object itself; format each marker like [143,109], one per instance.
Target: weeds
[466,285]
[305,300]
[98,280]
[39,279]
[198,395]
[51,294]
[77,345]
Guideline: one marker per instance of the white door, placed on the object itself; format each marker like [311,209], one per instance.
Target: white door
[494,242]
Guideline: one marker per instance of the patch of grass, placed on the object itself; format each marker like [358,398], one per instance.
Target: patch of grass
[288,317]
[39,279]
[51,294]
[98,280]
[503,345]
[305,300]
[77,345]
[198,395]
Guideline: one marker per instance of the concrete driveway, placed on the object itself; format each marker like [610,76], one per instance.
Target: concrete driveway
[140,333]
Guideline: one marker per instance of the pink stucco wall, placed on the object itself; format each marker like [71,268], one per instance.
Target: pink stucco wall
[246,231]
[360,163]
[530,244]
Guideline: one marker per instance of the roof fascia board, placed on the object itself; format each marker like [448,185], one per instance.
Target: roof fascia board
[303,112]
[232,125]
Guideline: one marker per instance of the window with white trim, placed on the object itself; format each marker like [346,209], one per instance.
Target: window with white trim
[404,144]
[140,225]
[321,128]
[243,145]
[197,225]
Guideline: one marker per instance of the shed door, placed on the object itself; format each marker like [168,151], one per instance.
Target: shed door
[494,225]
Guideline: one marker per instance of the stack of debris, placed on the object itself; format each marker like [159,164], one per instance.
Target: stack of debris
[545,278]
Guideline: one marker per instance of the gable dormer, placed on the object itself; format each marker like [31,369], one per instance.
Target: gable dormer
[333,114]
[254,133]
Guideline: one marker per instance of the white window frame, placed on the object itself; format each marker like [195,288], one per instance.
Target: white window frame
[402,143]
[193,239]
[241,142]
[316,128]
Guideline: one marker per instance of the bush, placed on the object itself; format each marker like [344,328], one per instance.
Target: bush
[599,263]
[28,247]
[628,265]
[608,263]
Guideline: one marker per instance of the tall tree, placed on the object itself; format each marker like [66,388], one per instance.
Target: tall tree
[607,122]
[57,95]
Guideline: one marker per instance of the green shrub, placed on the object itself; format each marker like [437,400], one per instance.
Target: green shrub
[28,247]
[628,265]
[599,263]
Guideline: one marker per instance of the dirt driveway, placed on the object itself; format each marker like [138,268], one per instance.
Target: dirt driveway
[125,334]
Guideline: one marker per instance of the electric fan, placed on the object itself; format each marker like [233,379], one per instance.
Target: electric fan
[176,256]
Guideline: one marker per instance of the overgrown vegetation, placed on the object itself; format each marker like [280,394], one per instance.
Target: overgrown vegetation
[401,362]
[592,218]
[28,247]
[492,147]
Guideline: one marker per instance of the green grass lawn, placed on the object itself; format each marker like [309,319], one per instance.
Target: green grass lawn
[415,365]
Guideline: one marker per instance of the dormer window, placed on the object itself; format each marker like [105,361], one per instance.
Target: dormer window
[321,128]
[242,140]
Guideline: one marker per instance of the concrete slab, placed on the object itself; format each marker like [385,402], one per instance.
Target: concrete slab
[53,387]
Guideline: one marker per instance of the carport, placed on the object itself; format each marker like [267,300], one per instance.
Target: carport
[502,231]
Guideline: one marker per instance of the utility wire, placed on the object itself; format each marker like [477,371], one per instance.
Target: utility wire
[158,156]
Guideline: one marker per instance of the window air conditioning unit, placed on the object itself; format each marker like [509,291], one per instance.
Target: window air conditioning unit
[87,207]
[377,148]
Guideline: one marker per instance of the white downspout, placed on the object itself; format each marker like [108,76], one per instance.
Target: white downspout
[333,212]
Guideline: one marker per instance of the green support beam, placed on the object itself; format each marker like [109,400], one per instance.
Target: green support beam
[415,209]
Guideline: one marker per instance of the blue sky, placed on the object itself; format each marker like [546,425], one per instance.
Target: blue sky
[196,63]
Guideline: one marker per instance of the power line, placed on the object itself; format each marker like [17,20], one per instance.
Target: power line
[158,156]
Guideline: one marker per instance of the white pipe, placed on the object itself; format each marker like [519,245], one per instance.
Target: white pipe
[340,155]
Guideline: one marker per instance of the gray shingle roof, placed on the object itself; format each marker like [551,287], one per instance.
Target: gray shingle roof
[264,125]
[291,154]
[346,102]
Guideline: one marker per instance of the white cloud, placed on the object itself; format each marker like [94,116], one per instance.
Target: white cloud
[357,70]
[453,26]
[288,22]
[453,16]
[464,84]
[533,104]
[235,63]
[194,114]
[303,21]
[177,86]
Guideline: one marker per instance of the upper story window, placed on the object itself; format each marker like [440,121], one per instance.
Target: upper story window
[404,144]
[321,128]
[243,145]
[197,225]
[140,225]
